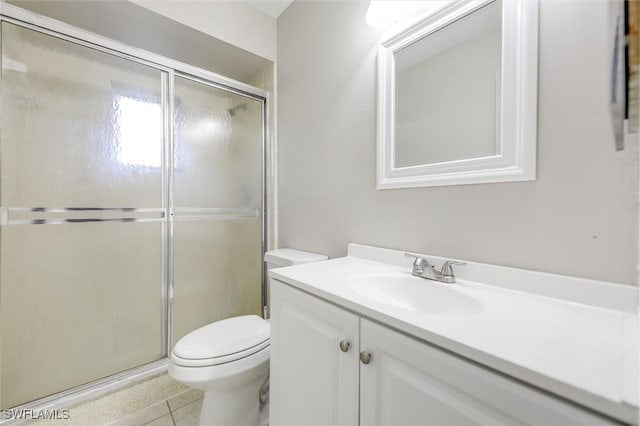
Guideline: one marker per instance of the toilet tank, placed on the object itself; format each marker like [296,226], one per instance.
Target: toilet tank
[289,257]
[286,257]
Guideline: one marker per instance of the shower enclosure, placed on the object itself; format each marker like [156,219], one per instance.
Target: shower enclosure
[132,206]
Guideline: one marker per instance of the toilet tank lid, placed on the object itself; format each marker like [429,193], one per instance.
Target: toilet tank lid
[289,257]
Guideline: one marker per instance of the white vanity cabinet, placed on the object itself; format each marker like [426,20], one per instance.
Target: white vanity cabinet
[312,380]
[384,377]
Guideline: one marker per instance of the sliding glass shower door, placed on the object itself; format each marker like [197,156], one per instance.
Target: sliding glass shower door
[89,177]
[217,228]
[79,298]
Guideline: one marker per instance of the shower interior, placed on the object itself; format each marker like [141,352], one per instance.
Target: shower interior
[132,198]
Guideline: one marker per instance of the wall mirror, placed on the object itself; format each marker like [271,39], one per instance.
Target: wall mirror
[457,96]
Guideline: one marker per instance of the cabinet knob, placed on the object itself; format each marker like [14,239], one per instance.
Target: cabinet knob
[365,357]
[345,345]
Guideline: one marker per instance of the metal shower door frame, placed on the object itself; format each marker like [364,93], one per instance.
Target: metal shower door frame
[170,68]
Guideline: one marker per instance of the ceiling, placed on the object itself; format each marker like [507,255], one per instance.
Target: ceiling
[271,7]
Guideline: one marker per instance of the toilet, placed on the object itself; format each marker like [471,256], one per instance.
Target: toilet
[229,359]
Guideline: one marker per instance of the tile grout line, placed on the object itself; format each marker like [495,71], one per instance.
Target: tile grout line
[173,420]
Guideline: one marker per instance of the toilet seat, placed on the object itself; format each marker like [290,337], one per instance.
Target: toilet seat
[222,342]
[206,362]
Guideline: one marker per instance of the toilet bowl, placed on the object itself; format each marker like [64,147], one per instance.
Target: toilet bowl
[229,359]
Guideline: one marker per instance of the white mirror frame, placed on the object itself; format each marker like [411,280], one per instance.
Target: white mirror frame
[516,160]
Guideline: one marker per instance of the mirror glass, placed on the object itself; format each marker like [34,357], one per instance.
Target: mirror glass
[447,92]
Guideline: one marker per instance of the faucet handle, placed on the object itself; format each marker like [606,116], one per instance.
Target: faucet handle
[419,262]
[415,256]
[447,270]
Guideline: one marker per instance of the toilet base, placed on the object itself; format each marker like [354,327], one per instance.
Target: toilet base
[233,406]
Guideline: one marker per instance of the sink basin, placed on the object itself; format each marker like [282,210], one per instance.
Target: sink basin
[414,294]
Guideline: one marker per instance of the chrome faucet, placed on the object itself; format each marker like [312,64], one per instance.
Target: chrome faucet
[423,269]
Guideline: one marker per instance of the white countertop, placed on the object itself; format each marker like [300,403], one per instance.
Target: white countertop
[584,353]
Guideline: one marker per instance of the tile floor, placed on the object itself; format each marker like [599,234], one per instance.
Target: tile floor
[180,410]
[157,401]
[160,401]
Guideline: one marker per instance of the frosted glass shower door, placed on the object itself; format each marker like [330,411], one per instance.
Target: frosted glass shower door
[83,216]
[217,198]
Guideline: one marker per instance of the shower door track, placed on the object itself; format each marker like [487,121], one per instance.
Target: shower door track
[92,390]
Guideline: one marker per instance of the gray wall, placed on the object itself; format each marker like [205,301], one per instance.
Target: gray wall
[578,218]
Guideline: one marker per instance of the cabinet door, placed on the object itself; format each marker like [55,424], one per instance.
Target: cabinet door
[405,384]
[409,382]
[313,381]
